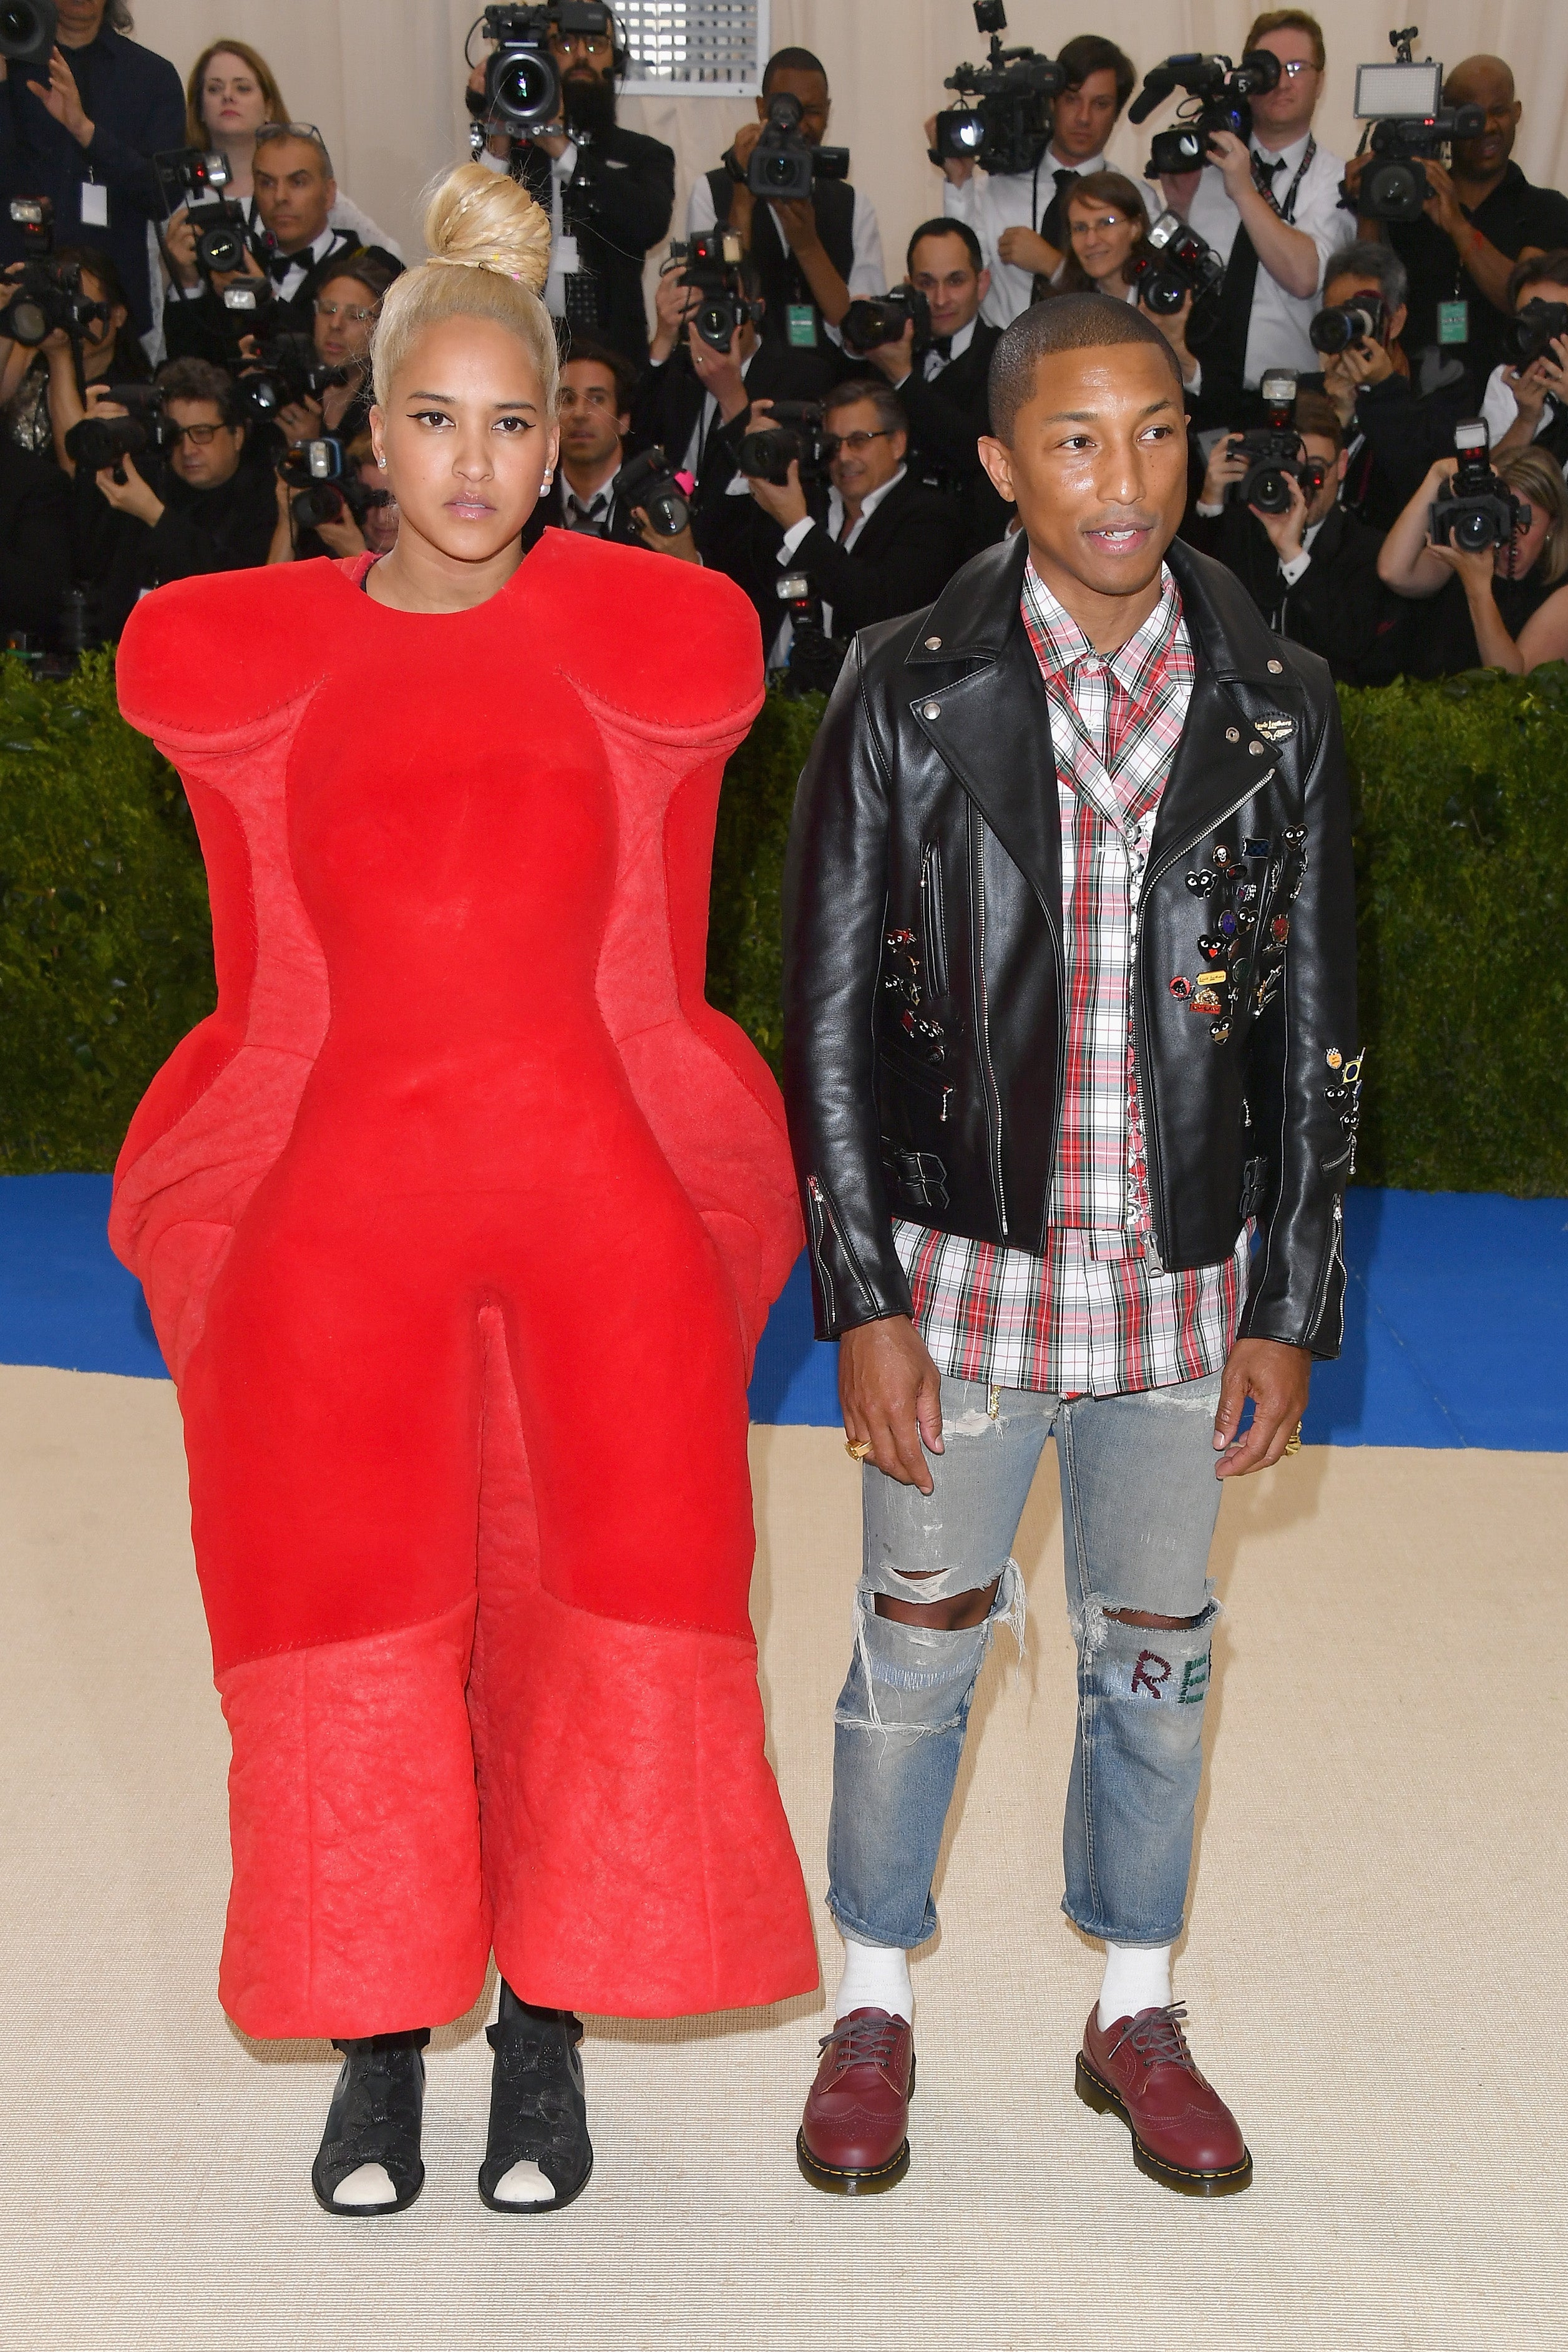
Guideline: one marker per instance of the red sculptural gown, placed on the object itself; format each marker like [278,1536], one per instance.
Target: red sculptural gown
[458,1221]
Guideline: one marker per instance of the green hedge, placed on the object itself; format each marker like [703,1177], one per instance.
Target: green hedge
[1462,866]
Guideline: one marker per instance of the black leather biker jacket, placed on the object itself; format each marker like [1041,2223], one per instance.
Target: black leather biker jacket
[924,960]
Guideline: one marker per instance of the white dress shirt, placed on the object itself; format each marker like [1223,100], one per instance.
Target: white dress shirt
[1499,409]
[988,202]
[834,524]
[866,273]
[1277,332]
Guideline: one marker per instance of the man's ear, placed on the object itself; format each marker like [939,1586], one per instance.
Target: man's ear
[998,461]
[623,424]
[1341,464]
[984,283]
[1396,319]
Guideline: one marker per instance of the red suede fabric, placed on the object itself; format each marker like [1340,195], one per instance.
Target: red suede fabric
[458,1223]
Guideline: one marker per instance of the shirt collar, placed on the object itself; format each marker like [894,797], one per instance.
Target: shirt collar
[963,337]
[869,504]
[606,491]
[1061,644]
[1055,163]
[1290,156]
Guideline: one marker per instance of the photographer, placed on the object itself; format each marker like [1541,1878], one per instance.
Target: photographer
[84,134]
[1271,210]
[1481,215]
[1477,604]
[943,380]
[46,403]
[813,256]
[596,387]
[1019,216]
[1311,569]
[1394,428]
[608,191]
[344,311]
[210,506]
[230,93]
[1528,405]
[883,545]
[367,520]
[34,542]
[295,190]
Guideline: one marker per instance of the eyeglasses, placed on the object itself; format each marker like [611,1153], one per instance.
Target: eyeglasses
[200,434]
[833,441]
[306,130]
[1296,67]
[345,310]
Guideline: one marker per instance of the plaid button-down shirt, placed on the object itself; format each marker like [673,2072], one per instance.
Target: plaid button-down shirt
[1097,1314]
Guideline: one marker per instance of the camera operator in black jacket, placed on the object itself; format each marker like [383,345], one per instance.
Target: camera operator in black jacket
[608,191]
[1311,569]
[1395,422]
[34,541]
[941,377]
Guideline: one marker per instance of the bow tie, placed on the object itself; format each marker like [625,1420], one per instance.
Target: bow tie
[278,267]
[943,346]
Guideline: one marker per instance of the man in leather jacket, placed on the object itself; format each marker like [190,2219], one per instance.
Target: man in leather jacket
[1072,1083]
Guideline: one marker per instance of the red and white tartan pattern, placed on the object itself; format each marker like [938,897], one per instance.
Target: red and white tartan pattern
[1096,1315]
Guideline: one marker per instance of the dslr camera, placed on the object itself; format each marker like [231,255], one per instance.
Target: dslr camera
[522,92]
[878,319]
[188,176]
[815,658]
[1172,262]
[29,29]
[1274,455]
[784,164]
[766,457]
[288,370]
[1363,319]
[1530,332]
[1005,121]
[710,262]
[97,443]
[1404,105]
[1476,508]
[45,294]
[651,482]
[326,485]
[1223,95]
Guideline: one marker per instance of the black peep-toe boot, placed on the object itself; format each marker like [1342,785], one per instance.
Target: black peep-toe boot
[539,2112]
[374,2118]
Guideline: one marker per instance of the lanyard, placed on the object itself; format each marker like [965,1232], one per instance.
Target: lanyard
[1287,210]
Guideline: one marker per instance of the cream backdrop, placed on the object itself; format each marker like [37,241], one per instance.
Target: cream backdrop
[384,78]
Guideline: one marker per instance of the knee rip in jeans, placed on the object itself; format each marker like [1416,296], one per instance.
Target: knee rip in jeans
[1128,1661]
[927,1675]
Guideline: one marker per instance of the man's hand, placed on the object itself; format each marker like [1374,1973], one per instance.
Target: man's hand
[1286,530]
[1276,1377]
[1530,386]
[785,502]
[956,169]
[1345,371]
[719,372]
[682,546]
[798,222]
[300,421]
[60,97]
[890,1393]
[1234,160]
[1223,468]
[674,306]
[1443,205]
[132,496]
[1172,325]
[1025,250]
[180,244]
[342,537]
[895,361]
[1179,188]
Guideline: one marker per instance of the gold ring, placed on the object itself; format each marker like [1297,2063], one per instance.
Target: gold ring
[1294,1442]
[857,1448]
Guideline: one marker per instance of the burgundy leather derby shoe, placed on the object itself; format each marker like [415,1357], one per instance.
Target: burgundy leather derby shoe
[854,2138]
[1183,2133]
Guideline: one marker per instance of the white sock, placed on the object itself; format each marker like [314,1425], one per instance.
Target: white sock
[876,1975]
[1137,1975]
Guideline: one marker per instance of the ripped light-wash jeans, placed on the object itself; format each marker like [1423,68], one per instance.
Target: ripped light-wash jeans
[1139,1500]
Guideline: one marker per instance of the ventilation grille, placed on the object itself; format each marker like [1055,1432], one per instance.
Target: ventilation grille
[716,47]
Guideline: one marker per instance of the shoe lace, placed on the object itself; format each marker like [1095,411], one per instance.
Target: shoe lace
[1157,2035]
[864,2041]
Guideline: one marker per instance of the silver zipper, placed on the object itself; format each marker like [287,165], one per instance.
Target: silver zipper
[934,928]
[1334,1253]
[819,1218]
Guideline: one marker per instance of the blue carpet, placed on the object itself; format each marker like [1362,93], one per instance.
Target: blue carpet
[1455,1319]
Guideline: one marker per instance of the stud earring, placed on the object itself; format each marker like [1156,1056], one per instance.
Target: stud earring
[383,464]
[547,481]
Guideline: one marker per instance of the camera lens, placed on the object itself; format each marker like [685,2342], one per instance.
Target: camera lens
[1474,531]
[778,171]
[18,25]
[715,323]
[1331,331]
[1162,291]
[220,249]
[1271,493]
[26,321]
[525,90]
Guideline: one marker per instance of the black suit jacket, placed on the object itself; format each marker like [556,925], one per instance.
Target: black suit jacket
[36,509]
[617,204]
[910,546]
[947,418]
[924,1014]
[1339,608]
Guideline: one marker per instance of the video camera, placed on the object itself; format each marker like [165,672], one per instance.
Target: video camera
[1404,104]
[710,262]
[878,319]
[766,457]
[1477,509]
[1172,262]
[1224,93]
[651,482]
[522,93]
[1530,332]
[784,166]
[28,30]
[1274,453]
[326,485]
[288,370]
[1006,124]
[189,176]
[47,294]
[1363,319]
[97,444]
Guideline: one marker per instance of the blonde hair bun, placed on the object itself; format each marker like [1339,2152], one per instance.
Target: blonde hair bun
[486,221]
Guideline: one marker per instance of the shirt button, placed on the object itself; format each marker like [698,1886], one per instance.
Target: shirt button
[1233,734]
[931,710]
[931,643]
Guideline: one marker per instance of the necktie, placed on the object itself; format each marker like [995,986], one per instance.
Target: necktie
[1053,226]
[1224,353]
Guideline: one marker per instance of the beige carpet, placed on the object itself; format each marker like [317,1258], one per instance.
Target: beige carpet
[1374,1972]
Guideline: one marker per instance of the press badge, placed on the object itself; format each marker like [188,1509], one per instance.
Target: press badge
[94,204]
[801,318]
[1453,322]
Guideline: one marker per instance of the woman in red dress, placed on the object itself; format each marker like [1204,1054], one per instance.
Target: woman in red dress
[459,1220]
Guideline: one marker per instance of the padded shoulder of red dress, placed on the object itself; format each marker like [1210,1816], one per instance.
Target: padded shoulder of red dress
[672,646]
[217,660]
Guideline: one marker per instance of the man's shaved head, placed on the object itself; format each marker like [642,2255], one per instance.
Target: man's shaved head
[1481,80]
[1064,323]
